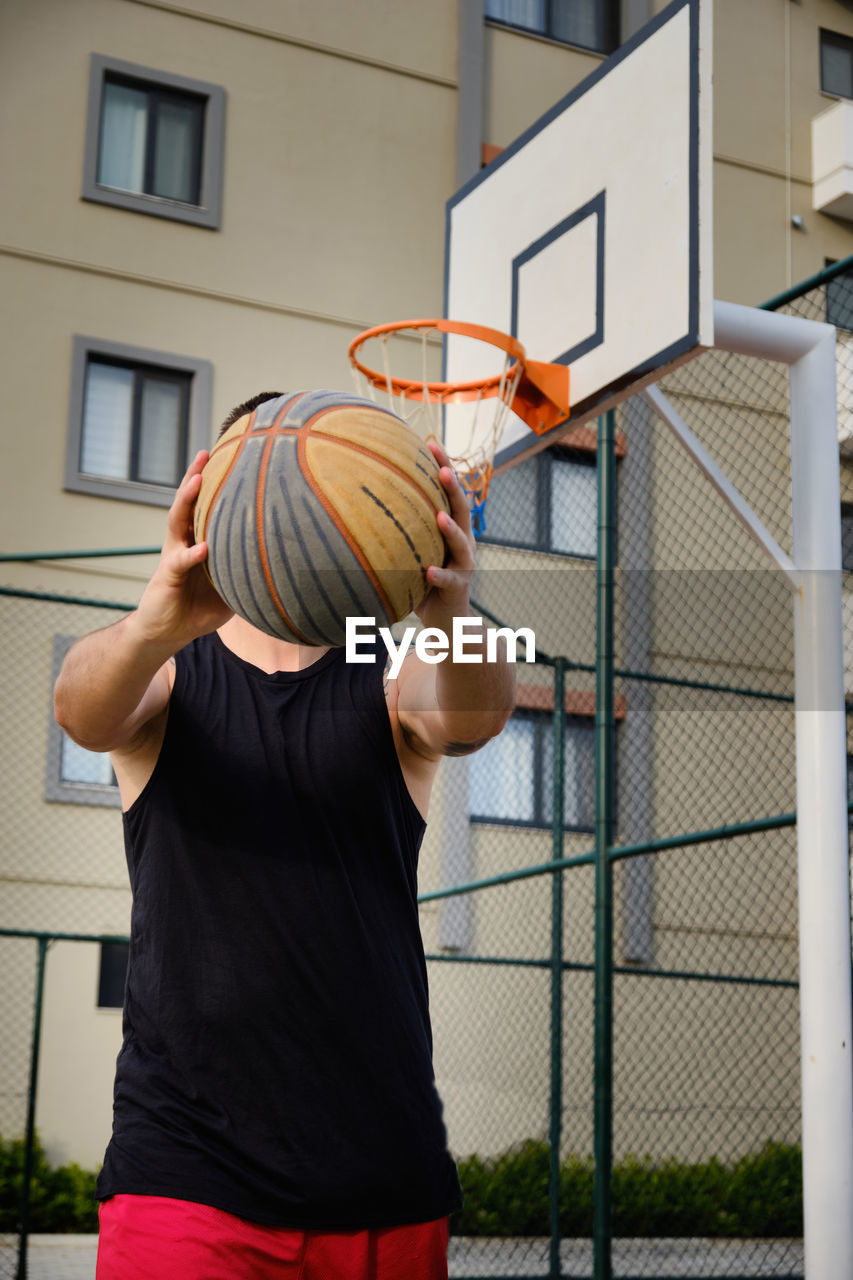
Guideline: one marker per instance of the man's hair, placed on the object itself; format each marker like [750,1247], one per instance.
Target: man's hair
[240,410]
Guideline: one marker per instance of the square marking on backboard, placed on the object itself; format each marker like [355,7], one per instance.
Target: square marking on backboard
[565,264]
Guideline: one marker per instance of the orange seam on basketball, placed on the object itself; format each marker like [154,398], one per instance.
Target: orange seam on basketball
[241,441]
[274,427]
[343,530]
[240,444]
[223,442]
[262,543]
[391,466]
[377,457]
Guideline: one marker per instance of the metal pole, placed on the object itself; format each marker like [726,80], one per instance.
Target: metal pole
[636,734]
[30,1140]
[604,722]
[826,1025]
[555,1128]
[822,834]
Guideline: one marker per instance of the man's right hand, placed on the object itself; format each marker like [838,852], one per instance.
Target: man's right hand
[180,602]
[116,683]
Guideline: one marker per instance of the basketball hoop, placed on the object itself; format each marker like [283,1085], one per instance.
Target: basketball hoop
[536,392]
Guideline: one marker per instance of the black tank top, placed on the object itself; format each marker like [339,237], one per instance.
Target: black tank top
[277,1053]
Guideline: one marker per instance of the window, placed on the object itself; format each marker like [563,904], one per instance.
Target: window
[547,503]
[836,64]
[847,537]
[112,974]
[135,419]
[75,775]
[839,299]
[154,142]
[592,24]
[511,779]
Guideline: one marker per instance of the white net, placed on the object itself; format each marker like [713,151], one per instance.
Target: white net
[399,368]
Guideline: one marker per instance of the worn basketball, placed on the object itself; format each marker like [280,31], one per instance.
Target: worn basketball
[318,506]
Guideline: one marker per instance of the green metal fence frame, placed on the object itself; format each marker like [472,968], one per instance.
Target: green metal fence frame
[43,941]
[602,856]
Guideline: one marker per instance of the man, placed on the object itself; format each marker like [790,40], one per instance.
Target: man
[275,1107]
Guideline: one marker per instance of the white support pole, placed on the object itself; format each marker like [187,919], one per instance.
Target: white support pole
[822,835]
[824,910]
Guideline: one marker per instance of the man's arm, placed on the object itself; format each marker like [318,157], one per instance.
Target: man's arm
[453,708]
[117,680]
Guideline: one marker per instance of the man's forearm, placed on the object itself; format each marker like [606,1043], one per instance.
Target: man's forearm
[115,681]
[104,681]
[474,697]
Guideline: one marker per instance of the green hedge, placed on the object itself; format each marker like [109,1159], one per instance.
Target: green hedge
[759,1195]
[61,1200]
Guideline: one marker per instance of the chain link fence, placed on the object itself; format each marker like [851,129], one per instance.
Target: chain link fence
[691,1053]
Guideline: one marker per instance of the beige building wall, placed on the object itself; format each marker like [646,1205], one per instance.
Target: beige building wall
[79,1048]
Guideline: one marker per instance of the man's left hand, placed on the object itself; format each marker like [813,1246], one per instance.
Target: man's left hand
[450,584]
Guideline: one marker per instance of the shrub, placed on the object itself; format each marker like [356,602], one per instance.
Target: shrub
[61,1199]
[759,1195]
[768,1189]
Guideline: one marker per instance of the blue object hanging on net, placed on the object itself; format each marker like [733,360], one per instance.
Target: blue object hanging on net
[477,502]
[478,514]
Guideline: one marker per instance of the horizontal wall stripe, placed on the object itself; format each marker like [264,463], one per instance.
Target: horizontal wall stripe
[280,37]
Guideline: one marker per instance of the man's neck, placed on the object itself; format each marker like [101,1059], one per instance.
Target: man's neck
[266,652]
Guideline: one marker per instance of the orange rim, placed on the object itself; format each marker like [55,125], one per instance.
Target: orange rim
[417,388]
[538,392]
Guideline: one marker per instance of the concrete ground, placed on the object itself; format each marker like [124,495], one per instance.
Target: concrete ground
[53,1257]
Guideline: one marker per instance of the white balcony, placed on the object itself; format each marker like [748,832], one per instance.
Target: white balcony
[832,160]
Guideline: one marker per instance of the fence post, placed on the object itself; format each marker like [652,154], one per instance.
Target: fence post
[556,1101]
[30,1140]
[603,1031]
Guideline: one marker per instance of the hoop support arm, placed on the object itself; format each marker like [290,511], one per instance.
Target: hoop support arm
[542,398]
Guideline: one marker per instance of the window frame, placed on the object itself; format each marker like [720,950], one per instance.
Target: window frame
[543,722]
[545,461]
[838,40]
[196,433]
[208,212]
[58,790]
[612,17]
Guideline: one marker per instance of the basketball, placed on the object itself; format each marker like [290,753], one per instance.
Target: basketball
[319,506]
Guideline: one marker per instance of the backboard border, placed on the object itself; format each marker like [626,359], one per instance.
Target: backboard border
[685,346]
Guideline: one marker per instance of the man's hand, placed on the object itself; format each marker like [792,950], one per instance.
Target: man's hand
[453,707]
[180,603]
[450,584]
[115,683]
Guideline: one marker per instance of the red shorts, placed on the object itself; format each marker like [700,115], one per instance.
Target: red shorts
[146,1236]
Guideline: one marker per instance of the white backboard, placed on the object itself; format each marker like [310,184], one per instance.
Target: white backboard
[590,237]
